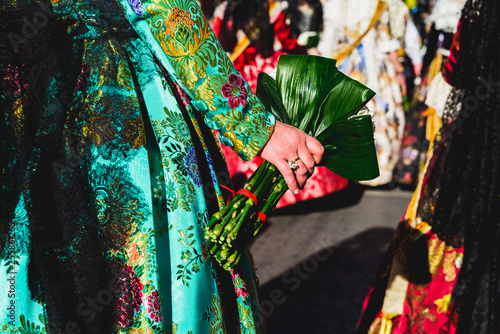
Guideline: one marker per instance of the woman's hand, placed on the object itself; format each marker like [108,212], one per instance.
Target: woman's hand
[288,143]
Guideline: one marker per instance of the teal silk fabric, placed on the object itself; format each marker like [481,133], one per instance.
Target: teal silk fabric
[151,82]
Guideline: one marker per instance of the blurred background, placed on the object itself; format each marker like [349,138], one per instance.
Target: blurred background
[320,250]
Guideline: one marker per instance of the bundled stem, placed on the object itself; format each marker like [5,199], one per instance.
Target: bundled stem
[231,229]
[309,93]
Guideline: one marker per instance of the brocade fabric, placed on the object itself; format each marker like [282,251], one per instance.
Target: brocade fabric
[110,170]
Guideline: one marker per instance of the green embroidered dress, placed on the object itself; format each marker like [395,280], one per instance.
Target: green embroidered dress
[110,170]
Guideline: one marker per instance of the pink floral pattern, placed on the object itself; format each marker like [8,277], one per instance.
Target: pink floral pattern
[131,287]
[239,285]
[235,91]
[154,306]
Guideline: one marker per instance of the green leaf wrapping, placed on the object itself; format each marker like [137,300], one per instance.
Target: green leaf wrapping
[311,94]
[322,101]
[354,156]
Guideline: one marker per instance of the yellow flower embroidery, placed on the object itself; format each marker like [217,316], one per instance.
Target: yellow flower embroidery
[443,303]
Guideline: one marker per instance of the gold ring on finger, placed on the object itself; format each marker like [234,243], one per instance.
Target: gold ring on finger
[293,164]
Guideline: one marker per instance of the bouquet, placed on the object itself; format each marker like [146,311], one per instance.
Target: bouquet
[310,93]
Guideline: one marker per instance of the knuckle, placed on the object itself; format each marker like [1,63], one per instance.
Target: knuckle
[310,163]
[321,150]
[302,171]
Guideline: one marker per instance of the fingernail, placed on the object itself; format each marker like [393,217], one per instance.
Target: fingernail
[296,191]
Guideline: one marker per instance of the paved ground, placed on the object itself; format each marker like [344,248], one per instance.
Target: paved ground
[316,260]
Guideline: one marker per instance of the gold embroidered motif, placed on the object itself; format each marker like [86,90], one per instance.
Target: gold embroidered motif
[442,304]
[436,248]
[237,143]
[449,266]
[209,89]
[189,50]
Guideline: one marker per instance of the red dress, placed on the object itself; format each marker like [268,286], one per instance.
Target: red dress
[413,289]
[250,63]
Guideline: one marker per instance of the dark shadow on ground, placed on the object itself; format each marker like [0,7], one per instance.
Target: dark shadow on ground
[324,293]
[348,196]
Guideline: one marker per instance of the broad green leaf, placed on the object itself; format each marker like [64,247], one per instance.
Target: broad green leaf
[303,83]
[345,99]
[350,149]
[268,94]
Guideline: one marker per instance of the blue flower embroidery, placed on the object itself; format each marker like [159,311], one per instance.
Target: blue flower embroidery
[136,7]
[192,166]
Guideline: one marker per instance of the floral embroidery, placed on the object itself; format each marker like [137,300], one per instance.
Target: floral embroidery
[201,64]
[186,255]
[108,120]
[443,303]
[239,285]
[192,167]
[417,317]
[179,23]
[6,328]
[213,315]
[436,250]
[231,139]
[235,121]
[119,207]
[154,306]
[135,252]
[191,257]
[99,128]
[133,287]
[209,90]
[26,327]
[136,7]
[142,330]
[176,123]
[246,323]
[185,192]
[235,91]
